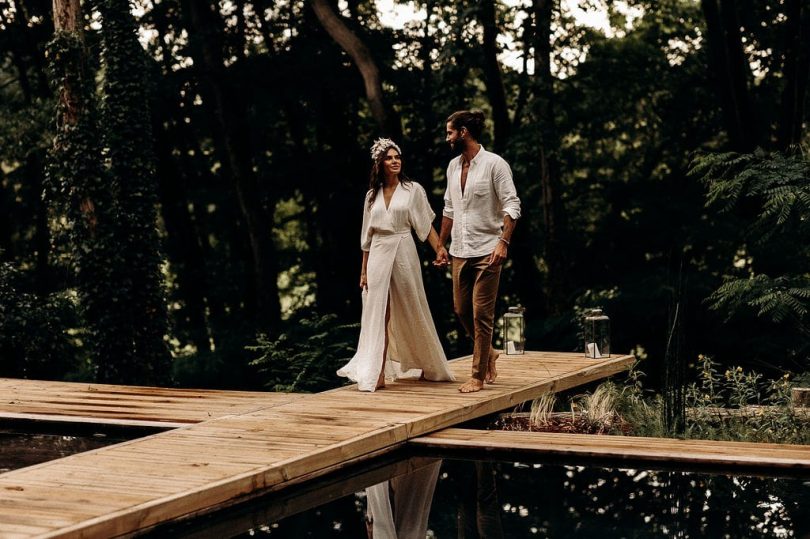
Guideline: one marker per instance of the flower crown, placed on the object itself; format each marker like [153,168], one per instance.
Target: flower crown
[382,145]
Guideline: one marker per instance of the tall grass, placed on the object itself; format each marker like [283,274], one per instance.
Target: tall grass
[734,405]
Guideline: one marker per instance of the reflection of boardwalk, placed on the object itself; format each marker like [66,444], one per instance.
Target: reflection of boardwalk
[140,483]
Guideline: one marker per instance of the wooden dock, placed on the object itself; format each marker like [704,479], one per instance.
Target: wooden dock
[263,446]
[795,458]
[126,405]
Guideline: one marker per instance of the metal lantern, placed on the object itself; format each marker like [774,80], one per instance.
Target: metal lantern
[513,339]
[597,334]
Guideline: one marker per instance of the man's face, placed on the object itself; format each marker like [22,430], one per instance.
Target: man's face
[455,138]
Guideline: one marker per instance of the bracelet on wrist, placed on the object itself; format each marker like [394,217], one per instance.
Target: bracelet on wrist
[504,240]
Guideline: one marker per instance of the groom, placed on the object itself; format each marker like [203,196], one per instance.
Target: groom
[480,209]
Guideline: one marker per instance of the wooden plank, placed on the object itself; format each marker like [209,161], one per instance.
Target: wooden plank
[796,457]
[126,405]
[267,445]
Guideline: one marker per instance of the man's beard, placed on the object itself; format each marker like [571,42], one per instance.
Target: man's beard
[456,147]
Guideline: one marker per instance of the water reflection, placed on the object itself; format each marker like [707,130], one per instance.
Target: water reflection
[426,497]
[23,444]
[398,508]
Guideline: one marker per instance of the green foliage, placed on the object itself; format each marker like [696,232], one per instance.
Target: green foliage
[108,196]
[740,405]
[771,191]
[736,405]
[33,341]
[306,355]
[77,185]
[143,356]
[642,409]
[784,298]
[628,106]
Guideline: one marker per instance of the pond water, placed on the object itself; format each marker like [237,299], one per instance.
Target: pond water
[25,443]
[427,496]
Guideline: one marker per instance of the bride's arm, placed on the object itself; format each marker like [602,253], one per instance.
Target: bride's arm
[363,280]
[436,244]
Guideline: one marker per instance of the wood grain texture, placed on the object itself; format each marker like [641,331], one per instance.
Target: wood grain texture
[125,405]
[259,442]
[667,450]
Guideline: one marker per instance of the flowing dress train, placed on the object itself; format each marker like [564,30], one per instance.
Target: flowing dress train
[394,271]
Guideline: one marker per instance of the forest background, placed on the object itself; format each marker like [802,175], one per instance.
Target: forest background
[181,182]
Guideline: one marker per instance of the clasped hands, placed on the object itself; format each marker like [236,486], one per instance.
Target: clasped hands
[495,259]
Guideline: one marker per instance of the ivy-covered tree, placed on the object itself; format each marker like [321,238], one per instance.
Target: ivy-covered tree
[108,196]
[77,181]
[139,353]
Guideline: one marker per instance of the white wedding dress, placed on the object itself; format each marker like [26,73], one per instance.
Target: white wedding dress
[394,270]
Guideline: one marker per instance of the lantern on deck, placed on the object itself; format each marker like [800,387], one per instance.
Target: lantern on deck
[513,339]
[597,334]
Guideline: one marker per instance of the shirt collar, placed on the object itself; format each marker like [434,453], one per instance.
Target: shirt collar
[481,151]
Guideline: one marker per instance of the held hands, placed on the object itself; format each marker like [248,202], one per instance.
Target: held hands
[442,258]
[498,255]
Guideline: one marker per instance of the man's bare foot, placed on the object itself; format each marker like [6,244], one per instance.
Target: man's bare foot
[381,380]
[471,386]
[492,372]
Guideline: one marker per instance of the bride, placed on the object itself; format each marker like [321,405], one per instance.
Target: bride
[397,335]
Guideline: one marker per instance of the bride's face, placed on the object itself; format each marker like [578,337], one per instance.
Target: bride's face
[392,163]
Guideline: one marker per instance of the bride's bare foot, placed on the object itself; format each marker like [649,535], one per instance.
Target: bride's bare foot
[492,372]
[471,386]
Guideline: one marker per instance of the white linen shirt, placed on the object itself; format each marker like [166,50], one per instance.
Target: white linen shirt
[478,213]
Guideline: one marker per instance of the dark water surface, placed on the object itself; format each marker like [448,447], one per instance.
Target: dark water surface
[451,497]
[27,443]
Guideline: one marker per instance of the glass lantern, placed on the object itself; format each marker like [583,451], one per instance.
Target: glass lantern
[597,334]
[513,339]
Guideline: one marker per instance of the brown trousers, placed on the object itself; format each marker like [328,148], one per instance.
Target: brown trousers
[475,289]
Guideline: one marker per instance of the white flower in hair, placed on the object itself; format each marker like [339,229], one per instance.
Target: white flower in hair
[382,145]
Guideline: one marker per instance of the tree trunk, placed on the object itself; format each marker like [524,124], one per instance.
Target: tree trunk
[182,241]
[42,234]
[493,78]
[66,14]
[796,70]
[231,117]
[141,315]
[548,162]
[427,152]
[360,54]
[186,235]
[7,245]
[731,72]
[522,97]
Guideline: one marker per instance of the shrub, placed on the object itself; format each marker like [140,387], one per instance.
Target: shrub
[306,356]
[33,338]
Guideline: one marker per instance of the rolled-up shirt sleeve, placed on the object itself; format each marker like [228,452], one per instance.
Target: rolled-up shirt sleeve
[505,188]
[420,213]
[448,201]
[365,231]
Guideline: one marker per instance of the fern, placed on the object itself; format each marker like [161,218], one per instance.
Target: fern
[776,186]
[306,356]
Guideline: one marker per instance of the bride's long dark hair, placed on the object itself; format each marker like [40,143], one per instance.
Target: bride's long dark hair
[377,175]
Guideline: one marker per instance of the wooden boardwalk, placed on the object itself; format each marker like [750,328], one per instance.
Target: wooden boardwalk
[125,405]
[628,448]
[193,469]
